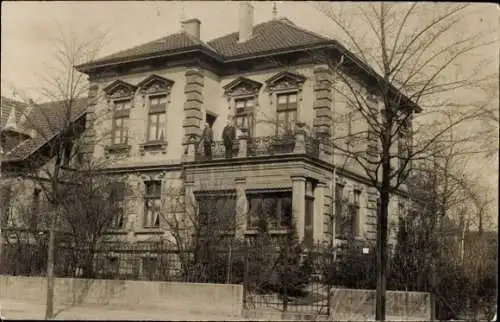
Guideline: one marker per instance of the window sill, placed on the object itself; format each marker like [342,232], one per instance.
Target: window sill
[153,146]
[271,231]
[148,231]
[116,231]
[118,148]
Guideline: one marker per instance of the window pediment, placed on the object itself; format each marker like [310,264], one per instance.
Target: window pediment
[155,84]
[119,88]
[285,80]
[242,86]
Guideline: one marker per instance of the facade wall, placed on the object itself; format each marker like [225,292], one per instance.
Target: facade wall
[138,118]
[265,111]
[318,105]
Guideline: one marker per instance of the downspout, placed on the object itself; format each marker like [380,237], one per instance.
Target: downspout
[334,173]
[1,214]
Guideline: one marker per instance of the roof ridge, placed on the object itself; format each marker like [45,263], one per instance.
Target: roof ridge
[293,25]
[237,32]
[111,56]
[198,40]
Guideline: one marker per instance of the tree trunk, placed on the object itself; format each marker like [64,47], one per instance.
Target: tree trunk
[382,223]
[49,309]
[382,248]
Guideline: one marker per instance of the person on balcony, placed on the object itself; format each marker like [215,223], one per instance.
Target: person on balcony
[207,138]
[228,136]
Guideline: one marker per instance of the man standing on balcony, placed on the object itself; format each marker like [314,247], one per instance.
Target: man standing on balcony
[207,137]
[228,136]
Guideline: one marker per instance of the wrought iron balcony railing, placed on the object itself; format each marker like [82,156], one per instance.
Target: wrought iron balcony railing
[260,146]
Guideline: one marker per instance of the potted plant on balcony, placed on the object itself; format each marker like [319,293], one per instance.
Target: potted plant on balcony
[283,142]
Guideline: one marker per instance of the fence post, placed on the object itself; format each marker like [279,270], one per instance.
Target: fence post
[229,266]
[330,263]
[285,275]
[245,279]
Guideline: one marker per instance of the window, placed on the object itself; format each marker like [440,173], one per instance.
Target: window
[339,205]
[152,201]
[243,115]
[157,118]
[352,224]
[120,121]
[273,208]
[328,220]
[286,113]
[36,201]
[117,197]
[346,213]
[217,213]
[405,143]
[309,222]
[349,137]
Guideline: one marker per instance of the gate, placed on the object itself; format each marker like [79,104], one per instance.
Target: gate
[287,281]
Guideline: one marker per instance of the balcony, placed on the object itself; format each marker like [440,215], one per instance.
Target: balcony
[299,143]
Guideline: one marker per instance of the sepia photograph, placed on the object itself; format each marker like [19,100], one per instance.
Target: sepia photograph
[249,160]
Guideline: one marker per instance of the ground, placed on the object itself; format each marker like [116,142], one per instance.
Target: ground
[16,310]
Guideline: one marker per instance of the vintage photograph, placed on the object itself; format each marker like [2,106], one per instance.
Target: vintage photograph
[249,160]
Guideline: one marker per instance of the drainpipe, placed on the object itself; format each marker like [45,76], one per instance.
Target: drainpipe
[334,172]
[1,214]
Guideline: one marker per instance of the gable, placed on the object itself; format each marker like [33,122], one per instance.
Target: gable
[119,88]
[241,86]
[285,80]
[155,84]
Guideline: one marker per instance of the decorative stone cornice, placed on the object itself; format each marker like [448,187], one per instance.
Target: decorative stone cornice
[155,84]
[242,86]
[119,89]
[285,80]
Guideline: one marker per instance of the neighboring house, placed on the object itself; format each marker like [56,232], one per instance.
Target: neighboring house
[28,132]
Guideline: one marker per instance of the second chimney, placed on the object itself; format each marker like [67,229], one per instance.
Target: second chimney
[246,21]
[192,27]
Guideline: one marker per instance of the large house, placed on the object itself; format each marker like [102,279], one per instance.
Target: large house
[148,107]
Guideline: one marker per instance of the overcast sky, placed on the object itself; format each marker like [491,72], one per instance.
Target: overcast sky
[26,27]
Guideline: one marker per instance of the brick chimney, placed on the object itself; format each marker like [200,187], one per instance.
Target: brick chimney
[192,27]
[246,21]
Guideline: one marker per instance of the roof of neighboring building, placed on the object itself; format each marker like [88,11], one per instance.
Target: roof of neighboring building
[45,121]
[6,107]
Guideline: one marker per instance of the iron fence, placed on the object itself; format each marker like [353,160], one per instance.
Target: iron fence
[276,275]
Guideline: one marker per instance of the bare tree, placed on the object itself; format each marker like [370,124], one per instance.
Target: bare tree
[416,56]
[57,126]
[429,254]
[90,206]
